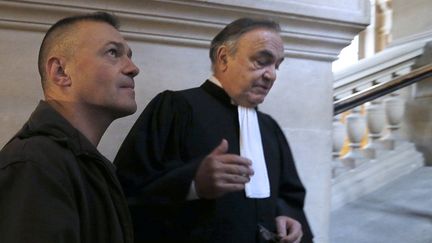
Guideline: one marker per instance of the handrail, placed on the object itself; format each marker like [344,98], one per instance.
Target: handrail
[382,89]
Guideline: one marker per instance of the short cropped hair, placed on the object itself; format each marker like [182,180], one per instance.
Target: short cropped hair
[58,35]
[233,31]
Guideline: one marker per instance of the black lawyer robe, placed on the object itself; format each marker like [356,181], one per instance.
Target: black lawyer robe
[159,158]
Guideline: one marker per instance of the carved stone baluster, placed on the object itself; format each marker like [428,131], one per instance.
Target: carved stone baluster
[356,128]
[395,109]
[375,118]
[339,134]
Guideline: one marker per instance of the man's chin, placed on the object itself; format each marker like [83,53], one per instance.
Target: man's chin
[255,101]
[126,110]
[252,103]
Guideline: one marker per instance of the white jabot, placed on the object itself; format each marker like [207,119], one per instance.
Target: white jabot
[251,148]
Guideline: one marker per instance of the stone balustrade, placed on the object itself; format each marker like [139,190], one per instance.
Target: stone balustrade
[387,154]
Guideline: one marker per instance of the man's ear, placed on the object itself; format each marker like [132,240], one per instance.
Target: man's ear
[56,72]
[222,58]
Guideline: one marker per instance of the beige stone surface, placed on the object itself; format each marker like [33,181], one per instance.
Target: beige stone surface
[170,43]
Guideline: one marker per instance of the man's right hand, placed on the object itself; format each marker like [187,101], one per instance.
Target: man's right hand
[220,173]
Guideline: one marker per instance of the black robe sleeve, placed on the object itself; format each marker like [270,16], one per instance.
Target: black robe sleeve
[291,190]
[149,162]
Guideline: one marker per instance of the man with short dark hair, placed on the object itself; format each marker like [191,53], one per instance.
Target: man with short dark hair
[204,165]
[54,184]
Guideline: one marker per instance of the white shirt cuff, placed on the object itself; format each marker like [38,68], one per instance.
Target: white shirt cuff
[192,194]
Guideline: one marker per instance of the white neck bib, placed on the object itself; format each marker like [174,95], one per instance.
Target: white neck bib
[251,148]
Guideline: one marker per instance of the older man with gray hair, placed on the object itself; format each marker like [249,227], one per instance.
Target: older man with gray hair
[204,165]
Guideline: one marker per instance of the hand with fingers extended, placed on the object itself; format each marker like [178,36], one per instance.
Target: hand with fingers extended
[289,229]
[221,172]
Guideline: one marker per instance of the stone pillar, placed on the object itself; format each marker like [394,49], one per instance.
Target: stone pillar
[383,24]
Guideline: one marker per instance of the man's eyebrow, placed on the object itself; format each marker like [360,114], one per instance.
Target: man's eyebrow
[129,52]
[266,53]
[281,60]
[115,43]
[269,54]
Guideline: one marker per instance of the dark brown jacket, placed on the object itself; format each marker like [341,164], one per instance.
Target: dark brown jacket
[56,187]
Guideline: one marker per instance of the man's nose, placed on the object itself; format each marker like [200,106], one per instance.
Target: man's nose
[131,69]
[270,73]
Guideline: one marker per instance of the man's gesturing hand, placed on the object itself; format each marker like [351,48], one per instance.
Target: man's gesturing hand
[221,172]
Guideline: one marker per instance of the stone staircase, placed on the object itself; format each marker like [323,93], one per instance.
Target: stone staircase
[397,212]
[388,156]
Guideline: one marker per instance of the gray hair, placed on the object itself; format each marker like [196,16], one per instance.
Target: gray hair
[232,32]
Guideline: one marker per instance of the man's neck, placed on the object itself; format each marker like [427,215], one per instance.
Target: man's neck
[90,123]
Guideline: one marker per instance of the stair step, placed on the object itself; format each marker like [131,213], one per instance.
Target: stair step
[375,174]
[398,212]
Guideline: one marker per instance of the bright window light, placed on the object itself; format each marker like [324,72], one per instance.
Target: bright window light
[347,57]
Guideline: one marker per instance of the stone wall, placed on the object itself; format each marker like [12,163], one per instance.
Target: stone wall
[170,42]
[410,18]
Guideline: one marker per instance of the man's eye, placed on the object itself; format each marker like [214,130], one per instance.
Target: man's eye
[113,52]
[261,62]
[264,61]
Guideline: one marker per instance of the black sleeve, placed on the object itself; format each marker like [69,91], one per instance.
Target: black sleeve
[150,163]
[35,206]
[291,190]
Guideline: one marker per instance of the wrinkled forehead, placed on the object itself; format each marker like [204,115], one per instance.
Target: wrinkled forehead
[263,39]
[98,32]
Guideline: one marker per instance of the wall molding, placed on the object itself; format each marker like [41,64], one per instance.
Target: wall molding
[195,22]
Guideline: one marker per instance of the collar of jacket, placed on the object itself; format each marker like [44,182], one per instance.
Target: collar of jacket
[219,93]
[46,121]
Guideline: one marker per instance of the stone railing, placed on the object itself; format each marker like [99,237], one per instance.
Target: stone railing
[387,155]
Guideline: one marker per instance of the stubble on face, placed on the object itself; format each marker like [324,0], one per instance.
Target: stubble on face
[100,82]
